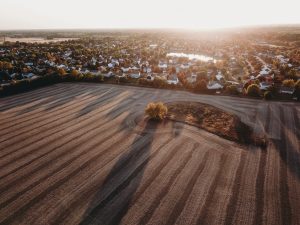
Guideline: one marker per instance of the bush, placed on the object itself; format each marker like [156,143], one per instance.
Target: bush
[268,95]
[156,111]
[20,86]
[123,79]
[89,77]
[145,82]
[159,82]
[288,83]
[100,78]
[274,90]
[232,90]
[297,90]
[74,73]
[61,72]
[253,90]
[201,86]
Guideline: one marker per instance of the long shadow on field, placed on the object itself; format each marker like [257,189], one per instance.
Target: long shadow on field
[288,144]
[113,198]
[287,149]
[102,99]
[52,102]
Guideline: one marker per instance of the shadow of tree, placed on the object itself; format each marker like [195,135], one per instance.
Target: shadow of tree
[97,211]
[288,145]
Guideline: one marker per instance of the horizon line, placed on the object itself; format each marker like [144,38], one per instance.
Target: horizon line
[157,28]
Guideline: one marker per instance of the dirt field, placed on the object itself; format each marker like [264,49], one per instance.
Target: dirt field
[35,40]
[78,154]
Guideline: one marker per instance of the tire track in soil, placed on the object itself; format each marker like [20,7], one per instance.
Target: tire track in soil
[55,127]
[79,95]
[284,189]
[37,118]
[196,199]
[63,129]
[203,215]
[175,146]
[183,198]
[259,189]
[24,123]
[164,209]
[293,162]
[42,166]
[77,135]
[116,183]
[113,212]
[145,219]
[20,209]
[15,102]
[14,107]
[231,207]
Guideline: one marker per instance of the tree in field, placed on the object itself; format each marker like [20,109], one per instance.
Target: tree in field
[156,111]
[201,86]
[288,83]
[74,73]
[61,71]
[297,90]
[253,90]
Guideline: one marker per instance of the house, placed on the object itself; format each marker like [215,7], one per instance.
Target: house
[125,70]
[162,65]
[264,86]
[153,46]
[264,71]
[4,76]
[185,66]
[27,75]
[219,76]
[172,79]
[214,85]
[192,79]
[287,90]
[150,77]
[135,75]
[109,74]
[29,64]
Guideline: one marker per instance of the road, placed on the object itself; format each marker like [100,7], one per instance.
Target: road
[77,153]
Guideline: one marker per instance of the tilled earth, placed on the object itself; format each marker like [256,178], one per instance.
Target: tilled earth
[76,153]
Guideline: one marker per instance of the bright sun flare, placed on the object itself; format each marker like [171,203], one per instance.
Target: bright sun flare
[146,14]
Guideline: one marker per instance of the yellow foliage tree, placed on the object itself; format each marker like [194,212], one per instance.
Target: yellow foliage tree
[61,71]
[288,83]
[156,111]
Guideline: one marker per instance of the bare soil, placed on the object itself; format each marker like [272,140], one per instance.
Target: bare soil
[214,120]
[82,153]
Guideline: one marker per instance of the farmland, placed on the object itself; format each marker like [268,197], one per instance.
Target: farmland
[77,153]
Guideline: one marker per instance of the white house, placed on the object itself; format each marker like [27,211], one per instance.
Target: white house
[135,75]
[172,79]
[192,78]
[109,74]
[264,86]
[163,65]
[219,76]
[213,85]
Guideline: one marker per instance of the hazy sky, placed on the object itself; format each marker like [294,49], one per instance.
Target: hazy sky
[43,14]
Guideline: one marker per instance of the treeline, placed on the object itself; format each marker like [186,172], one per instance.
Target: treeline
[200,86]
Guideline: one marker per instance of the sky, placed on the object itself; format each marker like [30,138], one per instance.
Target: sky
[189,14]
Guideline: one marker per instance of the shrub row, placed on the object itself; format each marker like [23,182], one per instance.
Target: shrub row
[20,86]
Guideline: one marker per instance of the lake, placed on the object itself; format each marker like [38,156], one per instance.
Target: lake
[192,57]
